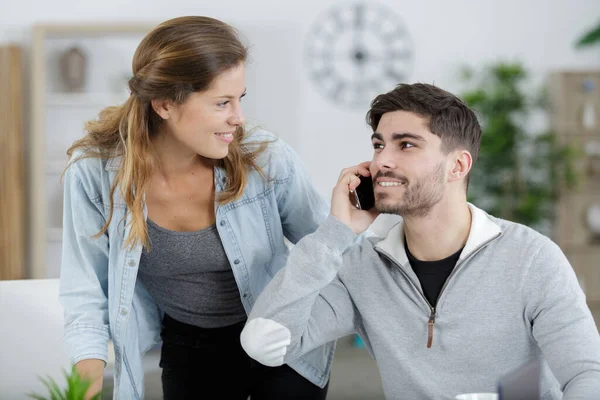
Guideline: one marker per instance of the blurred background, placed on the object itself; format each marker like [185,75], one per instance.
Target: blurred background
[530,69]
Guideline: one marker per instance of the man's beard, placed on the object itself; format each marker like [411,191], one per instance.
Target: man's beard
[419,197]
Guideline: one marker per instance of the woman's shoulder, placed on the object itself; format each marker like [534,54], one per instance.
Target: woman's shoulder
[90,167]
[276,155]
[256,136]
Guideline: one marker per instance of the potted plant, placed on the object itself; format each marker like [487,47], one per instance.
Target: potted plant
[75,390]
[519,172]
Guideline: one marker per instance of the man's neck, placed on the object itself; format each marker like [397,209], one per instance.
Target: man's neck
[441,233]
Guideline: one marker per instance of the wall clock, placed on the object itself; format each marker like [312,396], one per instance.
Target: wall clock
[355,51]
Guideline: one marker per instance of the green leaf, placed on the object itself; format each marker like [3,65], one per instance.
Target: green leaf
[36,396]
[55,391]
[75,390]
[589,38]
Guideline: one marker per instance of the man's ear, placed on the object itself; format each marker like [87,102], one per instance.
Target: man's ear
[162,107]
[462,163]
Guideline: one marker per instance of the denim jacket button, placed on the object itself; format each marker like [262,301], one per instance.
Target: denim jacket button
[131,263]
[123,311]
[222,223]
[236,262]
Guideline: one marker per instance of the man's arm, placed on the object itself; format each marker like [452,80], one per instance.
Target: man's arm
[305,305]
[562,324]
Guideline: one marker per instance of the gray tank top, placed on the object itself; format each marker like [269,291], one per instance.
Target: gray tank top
[189,276]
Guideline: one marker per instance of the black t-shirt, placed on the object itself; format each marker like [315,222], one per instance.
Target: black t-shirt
[432,274]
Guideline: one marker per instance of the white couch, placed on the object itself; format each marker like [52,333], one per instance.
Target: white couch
[31,337]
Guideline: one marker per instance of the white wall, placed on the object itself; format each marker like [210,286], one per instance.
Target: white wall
[282,98]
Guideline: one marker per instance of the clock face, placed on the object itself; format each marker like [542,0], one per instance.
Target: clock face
[356,51]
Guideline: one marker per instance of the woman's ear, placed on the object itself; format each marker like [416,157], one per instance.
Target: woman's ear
[162,107]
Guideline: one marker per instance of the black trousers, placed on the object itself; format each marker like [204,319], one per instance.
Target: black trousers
[197,362]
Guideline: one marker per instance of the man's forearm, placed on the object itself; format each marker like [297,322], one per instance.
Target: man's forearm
[291,317]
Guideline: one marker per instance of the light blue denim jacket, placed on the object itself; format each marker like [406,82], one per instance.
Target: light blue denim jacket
[98,285]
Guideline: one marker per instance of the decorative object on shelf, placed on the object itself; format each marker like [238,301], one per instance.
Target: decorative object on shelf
[592,152]
[355,51]
[519,174]
[593,220]
[588,113]
[73,65]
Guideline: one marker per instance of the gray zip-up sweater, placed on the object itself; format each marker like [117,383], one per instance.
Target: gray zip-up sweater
[512,296]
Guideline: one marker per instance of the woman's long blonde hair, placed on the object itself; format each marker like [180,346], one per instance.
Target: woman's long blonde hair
[178,57]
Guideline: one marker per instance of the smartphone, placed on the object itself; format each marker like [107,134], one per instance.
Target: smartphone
[363,196]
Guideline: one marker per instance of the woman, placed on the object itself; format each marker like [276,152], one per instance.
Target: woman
[174,222]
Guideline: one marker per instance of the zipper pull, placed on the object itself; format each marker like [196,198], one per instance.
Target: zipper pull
[430,328]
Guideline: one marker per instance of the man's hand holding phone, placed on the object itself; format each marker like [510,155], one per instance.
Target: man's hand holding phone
[342,205]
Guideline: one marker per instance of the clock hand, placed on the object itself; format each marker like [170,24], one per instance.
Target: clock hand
[358,36]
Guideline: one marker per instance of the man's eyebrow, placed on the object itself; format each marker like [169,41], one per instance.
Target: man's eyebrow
[399,136]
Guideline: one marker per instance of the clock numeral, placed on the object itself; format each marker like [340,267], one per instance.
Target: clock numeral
[326,36]
[360,90]
[378,86]
[338,20]
[393,35]
[337,90]
[399,54]
[395,75]
[323,73]
[322,55]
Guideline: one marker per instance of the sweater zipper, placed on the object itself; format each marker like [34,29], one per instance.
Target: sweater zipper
[432,309]
[430,328]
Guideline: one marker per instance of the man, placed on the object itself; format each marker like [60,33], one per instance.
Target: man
[452,298]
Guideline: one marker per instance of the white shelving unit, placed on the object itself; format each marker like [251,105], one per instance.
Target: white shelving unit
[58,118]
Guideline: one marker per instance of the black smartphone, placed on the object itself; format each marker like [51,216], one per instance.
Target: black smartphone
[363,196]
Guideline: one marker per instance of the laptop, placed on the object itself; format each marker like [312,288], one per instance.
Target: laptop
[522,383]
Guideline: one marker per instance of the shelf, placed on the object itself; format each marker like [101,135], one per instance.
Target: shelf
[54,234]
[58,116]
[84,99]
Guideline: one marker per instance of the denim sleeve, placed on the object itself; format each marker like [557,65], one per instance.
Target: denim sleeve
[301,208]
[84,273]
